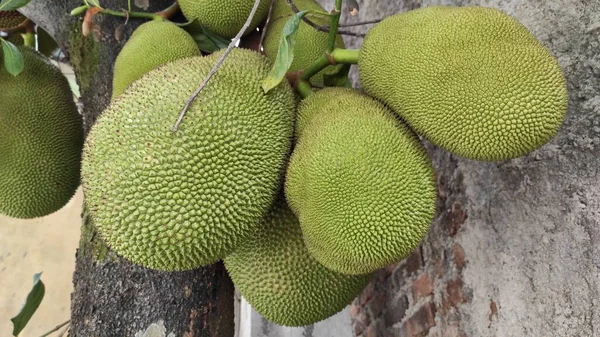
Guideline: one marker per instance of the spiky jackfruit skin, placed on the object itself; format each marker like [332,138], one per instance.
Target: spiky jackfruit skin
[310,43]
[224,17]
[359,181]
[280,279]
[472,80]
[152,44]
[10,19]
[41,137]
[178,200]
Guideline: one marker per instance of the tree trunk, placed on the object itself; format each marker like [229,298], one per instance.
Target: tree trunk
[113,297]
[514,250]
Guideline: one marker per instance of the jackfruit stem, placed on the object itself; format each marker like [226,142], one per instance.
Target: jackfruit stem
[337,56]
[29,39]
[333,27]
[126,14]
[304,89]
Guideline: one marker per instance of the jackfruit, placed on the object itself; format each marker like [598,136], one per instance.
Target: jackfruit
[178,200]
[41,137]
[310,43]
[11,19]
[359,181]
[152,44]
[281,280]
[225,18]
[471,80]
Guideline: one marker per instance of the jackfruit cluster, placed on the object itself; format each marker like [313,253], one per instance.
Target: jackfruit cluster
[471,80]
[41,137]
[310,44]
[179,200]
[300,231]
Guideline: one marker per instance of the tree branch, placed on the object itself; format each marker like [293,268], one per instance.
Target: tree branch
[232,45]
[320,28]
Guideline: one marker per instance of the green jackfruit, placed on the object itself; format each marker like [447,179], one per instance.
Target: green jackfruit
[224,17]
[359,181]
[152,44]
[178,200]
[280,279]
[471,80]
[310,43]
[10,19]
[41,137]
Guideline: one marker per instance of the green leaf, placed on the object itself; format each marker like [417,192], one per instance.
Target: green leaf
[13,59]
[31,304]
[11,5]
[339,79]
[285,54]
[207,40]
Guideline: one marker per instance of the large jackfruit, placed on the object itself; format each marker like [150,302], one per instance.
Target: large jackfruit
[310,43]
[41,137]
[178,200]
[472,80]
[359,181]
[280,279]
[224,17]
[152,44]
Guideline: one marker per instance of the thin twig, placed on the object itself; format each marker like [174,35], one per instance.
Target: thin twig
[64,332]
[232,45]
[56,328]
[264,31]
[369,22]
[320,28]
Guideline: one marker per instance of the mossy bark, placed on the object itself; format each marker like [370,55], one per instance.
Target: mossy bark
[113,297]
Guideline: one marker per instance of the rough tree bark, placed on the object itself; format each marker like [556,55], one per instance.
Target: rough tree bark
[113,297]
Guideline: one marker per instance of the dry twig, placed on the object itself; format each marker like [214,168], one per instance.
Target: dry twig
[232,45]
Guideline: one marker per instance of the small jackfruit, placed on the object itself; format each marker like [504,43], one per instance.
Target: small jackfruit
[41,137]
[11,19]
[178,200]
[280,279]
[224,17]
[310,43]
[359,181]
[471,80]
[152,44]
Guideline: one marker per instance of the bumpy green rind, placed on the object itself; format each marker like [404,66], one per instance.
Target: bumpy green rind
[10,19]
[310,43]
[359,181]
[281,280]
[176,201]
[225,18]
[41,137]
[472,80]
[151,45]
